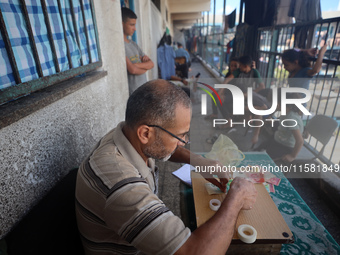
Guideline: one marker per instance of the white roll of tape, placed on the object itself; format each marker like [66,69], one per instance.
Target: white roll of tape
[247,233]
[214,204]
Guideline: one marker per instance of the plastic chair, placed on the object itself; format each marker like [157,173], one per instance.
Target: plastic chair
[321,127]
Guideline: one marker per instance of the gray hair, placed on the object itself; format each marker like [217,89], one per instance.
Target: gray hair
[154,103]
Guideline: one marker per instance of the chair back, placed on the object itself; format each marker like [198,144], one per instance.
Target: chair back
[321,127]
[180,60]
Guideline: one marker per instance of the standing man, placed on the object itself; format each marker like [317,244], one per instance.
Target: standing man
[137,63]
[117,207]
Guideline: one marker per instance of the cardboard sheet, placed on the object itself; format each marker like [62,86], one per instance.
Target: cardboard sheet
[264,216]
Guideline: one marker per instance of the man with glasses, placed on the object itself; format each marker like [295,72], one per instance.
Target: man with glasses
[117,207]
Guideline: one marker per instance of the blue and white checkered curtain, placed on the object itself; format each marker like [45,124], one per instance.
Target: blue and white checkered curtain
[16,29]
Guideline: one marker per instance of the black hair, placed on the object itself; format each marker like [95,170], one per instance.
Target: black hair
[293,55]
[162,41]
[154,103]
[179,45]
[234,59]
[246,60]
[168,40]
[128,14]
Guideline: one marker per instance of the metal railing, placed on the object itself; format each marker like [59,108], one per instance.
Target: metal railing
[213,50]
[325,86]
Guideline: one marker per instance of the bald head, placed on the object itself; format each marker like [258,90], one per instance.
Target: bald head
[154,103]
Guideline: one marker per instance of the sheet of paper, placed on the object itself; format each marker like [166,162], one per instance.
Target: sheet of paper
[183,173]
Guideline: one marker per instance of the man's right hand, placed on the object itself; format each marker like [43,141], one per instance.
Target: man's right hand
[244,191]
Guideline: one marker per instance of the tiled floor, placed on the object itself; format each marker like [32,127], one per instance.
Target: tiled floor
[202,129]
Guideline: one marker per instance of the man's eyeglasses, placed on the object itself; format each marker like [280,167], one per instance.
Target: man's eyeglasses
[179,139]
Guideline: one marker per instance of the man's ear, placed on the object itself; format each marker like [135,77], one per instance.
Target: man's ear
[145,133]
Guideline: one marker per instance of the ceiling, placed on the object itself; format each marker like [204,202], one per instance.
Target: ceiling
[185,13]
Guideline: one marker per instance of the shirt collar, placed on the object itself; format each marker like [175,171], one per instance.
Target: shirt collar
[129,152]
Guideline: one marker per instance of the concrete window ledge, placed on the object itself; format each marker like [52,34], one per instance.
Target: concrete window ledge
[23,107]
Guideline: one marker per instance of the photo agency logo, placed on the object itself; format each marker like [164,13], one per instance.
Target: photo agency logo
[239,105]
[204,97]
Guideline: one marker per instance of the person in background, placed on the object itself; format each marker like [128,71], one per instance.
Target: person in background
[166,63]
[297,63]
[117,207]
[181,52]
[137,63]
[246,75]
[233,66]
[260,102]
[288,139]
[166,59]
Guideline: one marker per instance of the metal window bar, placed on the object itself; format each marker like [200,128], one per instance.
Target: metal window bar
[322,88]
[334,38]
[222,58]
[76,31]
[50,36]
[334,144]
[319,101]
[94,19]
[86,32]
[9,49]
[31,37]
[311,103]
[65,36]
[318,41]
[22,89]
[326,27]
[337,100]
[283,39]
[330,90]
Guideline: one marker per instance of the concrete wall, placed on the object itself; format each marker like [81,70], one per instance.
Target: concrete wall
[143,11]
[40,149]
[157,31]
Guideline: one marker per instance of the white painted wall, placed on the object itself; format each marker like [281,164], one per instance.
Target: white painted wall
[41,148]
[157,31]
[143,11]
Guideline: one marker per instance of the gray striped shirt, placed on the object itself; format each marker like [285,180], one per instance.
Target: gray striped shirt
[117,209]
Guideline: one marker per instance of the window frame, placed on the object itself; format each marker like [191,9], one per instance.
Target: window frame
[25,88]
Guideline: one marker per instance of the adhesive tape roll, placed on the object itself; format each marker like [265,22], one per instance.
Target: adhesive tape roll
[214,204]
[247,233]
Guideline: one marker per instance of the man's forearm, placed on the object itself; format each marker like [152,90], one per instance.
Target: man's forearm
[214,236]
[136,70]
[145,65]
